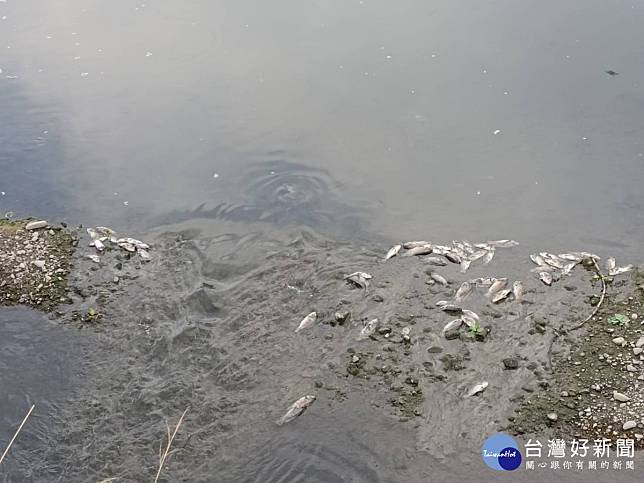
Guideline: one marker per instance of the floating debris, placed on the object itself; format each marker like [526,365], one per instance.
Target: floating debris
[477,389]
[393,251]
[296,409]
[307,321]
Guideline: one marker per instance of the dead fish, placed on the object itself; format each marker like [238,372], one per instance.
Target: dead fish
[454,324]
[620,270]
[439,262]
[478,254]
[484,246]
[546,278]
[441,249]
[414,244]
[517,290]
[501,295]
[471,315]
[497,285]
[442,303]
[489,256]
[463,291]
[105,231]
[503,243]
[369,329]
[468,320]
[393,251]
[465,265]
[463,246]
[477,389]
[133,241]
[452,257]
[554,261]
[610,264]
[307,321]
[437,277]
[98,244]
[94,258]
[145,256]
[538,259]
[483,281]
[93,234]
[297,408]
[544,268]
[570,257]
[452,309]
[127,246]
[417,251]
[361,279]
[568,268]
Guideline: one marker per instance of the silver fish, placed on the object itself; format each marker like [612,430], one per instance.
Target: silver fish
[436,277]
[465,264]
[571,257]
[484,246]
[478,254]
[297,408]
[498,284]
[477,389]
[452,309]
[517,290]
[393,251]
[546,278]
[568,268]
[452,257]
[489,256]
[307,321]
[417,251]
[610,264]
[369,329]
[454,324]
[463,291]
[501,295]
[414,244]
[543,268]
[437,261]
[503,243]
[470,318]
[483,281]
[538,259]
[554,261]
[620,270]
[441,249]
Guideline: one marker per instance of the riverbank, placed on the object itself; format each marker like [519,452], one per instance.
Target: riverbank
[35,261]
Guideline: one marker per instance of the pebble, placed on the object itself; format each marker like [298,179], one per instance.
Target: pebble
[637,350]
[619,340]
[640,342]
[510,363]
[631,368]
[629,425]
[634,316]
[553,416]
[618,396]
[39,263]
[35,225]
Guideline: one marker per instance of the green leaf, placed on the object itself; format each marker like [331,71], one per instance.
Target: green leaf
[617,319]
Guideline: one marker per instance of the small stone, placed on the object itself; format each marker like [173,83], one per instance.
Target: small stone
[435,349]
[341,316]
[377,298]
[452,334]
[355,358]
[631,368]
[564,393]
[619,340]
[552,416]
[640,342]
[629,425]
[634,316]
[618,396]
[35,225]
[511,363]
[637,350]
[39,263]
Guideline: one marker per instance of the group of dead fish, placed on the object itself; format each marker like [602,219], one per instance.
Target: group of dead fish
[102,235]
[550,268]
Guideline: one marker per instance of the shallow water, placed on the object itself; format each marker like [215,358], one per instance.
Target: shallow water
[342,126]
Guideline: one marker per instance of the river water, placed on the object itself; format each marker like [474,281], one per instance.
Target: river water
[263,145]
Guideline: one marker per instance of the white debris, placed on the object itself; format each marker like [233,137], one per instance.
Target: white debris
[94,258]
[35,225]
[498,131]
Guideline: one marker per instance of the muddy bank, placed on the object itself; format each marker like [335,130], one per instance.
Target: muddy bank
[596,389]
[35,261]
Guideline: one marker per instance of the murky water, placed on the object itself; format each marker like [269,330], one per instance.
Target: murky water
[266,146]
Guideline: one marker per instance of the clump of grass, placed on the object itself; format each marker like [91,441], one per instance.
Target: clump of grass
[164,454]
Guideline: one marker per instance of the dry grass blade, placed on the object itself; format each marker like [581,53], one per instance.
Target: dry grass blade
[601,299]
[165,454]
[16,433]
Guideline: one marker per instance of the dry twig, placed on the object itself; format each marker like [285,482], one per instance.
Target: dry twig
[164,455]
[601,299]
[16,433]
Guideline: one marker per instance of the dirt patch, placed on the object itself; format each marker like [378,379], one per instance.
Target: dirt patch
[34,264]
[597,390]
